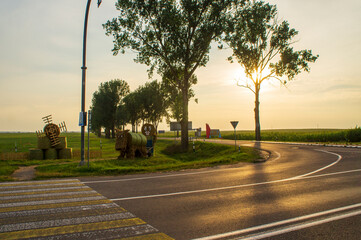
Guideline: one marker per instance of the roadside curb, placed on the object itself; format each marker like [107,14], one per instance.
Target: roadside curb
[312,144]
[265,154]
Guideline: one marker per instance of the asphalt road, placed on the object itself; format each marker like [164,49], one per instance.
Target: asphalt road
[301,192]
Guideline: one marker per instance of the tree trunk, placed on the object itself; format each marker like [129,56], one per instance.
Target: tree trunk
[184,121]
[256,115]
[107,133]
[133,126]
[113,132]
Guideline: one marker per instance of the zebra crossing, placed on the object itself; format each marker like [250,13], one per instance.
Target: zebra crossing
[66,209]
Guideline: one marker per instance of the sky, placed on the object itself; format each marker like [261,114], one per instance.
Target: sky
[41,59]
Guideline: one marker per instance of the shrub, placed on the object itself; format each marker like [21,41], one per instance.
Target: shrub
[353,135]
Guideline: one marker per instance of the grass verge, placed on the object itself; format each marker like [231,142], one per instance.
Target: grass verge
[167,158]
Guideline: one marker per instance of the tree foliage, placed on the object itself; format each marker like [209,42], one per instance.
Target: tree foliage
[154,101]
[148,103]
[174,95]
[105,102]
[132,108]
[263,47]
[170,36]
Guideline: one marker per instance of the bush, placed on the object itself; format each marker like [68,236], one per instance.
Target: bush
[353,135]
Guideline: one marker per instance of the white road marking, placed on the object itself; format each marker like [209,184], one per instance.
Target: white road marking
[302,226]
[46,189]
[323,168]
[58,210]
[160,176]
[231,187]
[39,182]
[64,222]
[170,175]
[40,185]
[47,195]
[278,156]
[235,186]
[53,201]
[288,221]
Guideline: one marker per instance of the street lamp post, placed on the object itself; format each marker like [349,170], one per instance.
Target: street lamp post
[83,114]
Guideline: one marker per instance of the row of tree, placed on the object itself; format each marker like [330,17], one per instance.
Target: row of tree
[173,38]
[114,106]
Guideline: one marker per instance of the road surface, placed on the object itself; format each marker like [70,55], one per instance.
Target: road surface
[301,192]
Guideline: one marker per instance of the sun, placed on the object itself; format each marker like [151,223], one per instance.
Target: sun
[240,78]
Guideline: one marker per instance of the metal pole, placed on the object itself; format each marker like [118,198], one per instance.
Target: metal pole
[89,119]
[235,139]
[82,152]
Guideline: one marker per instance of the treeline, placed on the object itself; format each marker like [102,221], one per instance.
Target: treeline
[114,106]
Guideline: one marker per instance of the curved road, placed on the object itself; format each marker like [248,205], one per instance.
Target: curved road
[301,192]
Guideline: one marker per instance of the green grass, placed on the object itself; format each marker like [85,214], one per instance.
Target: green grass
[25,141]
[167,158]
[7,167]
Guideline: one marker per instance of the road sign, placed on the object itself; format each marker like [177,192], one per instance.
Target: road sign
[234,124]
[82,119]
[176,126]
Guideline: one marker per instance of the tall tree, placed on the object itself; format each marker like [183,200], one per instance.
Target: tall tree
[262,46]
[170,35]
[105,102]
[133,108]
[122,116]
[174,96]
[154,102]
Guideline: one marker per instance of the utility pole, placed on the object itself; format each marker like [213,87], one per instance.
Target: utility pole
[83,114]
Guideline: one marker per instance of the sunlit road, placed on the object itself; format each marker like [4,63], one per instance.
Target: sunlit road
[301,192]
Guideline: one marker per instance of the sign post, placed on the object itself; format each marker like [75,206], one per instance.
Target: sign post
[234,124]
[89,128]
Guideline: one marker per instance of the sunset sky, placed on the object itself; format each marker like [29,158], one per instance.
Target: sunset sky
[41,56]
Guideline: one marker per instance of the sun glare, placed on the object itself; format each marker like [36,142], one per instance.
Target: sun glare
[241,78]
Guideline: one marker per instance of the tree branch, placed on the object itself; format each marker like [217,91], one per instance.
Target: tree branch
[246,86]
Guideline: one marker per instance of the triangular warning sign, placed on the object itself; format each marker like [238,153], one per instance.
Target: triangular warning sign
[234,124]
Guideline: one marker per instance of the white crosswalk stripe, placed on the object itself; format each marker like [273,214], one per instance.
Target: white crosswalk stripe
[65,209]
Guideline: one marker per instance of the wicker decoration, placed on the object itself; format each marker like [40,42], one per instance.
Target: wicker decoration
[130,144]
[150,133]
[50,144]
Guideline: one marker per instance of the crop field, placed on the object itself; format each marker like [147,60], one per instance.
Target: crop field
[340,136]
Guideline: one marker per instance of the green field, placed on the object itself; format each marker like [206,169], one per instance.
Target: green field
[25,141]
[342,136]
